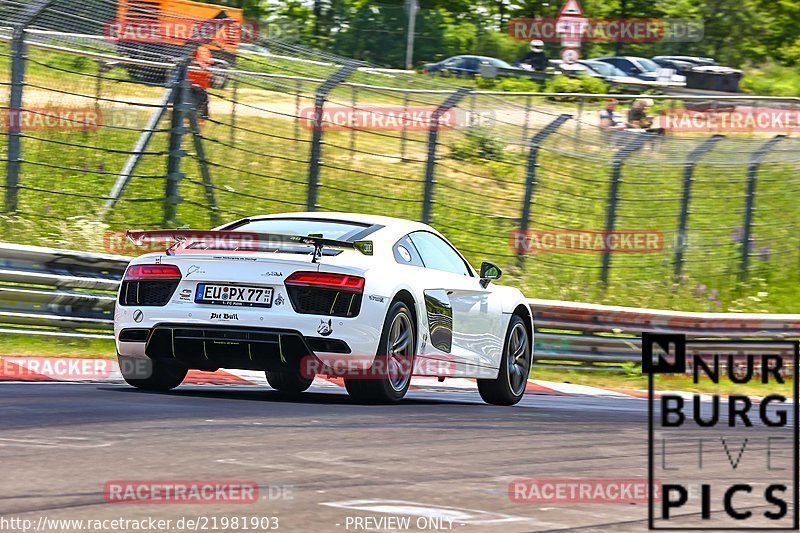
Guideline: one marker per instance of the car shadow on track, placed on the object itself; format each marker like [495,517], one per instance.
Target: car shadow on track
[309,397]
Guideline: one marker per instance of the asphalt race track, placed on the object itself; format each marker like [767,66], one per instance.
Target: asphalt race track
[61,443]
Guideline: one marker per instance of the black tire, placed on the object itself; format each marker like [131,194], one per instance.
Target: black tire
[149,374]
[380,387]
[507,389]
[292,382]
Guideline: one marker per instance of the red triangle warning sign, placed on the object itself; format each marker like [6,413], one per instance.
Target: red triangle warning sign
[571,7]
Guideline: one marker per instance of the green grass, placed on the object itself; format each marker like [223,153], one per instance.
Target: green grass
[12,345]
[637,381]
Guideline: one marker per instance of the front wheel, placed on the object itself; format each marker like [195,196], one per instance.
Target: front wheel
[390,376]
[509,386]
[151,374]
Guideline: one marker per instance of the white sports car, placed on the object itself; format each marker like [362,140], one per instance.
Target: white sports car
[371,299]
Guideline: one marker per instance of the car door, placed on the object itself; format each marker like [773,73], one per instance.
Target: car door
[623,64]
[453,66]
[477,336]
[470,67]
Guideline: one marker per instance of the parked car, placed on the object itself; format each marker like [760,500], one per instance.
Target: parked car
[678,65]
[607,72]
[465,66]
[573,69]
[642,68]
[694,60]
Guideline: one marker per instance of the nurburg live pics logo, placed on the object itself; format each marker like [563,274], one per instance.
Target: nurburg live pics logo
[742,451]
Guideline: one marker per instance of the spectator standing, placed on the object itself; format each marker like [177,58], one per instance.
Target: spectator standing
[200,77]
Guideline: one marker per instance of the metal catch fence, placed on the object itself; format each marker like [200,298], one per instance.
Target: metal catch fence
[528,180]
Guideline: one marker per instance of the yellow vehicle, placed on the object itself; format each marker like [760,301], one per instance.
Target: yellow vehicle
[163,30]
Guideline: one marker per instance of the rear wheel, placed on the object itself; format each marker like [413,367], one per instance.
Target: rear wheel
[509,386]
[291,382]
[390,377]
[150,374]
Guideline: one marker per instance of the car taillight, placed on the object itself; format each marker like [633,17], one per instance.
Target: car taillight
[323,293]
[152,272]
[323,280]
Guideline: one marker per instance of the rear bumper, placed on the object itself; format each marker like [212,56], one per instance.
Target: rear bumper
[211,347]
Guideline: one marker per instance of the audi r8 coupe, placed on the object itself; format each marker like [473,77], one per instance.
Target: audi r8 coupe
[371,299]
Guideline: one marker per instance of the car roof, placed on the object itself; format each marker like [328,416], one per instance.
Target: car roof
[633,58]
[470,56]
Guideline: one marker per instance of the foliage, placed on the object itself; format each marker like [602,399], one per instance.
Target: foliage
[563,84]
[736,32]
[477,145]
[772,80]
[590,84]
[508,83]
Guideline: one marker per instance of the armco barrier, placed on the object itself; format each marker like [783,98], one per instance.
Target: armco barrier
[44,291]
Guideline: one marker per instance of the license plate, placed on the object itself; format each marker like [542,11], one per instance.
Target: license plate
[235,295]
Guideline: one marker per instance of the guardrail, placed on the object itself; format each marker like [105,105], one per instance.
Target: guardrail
[45,291]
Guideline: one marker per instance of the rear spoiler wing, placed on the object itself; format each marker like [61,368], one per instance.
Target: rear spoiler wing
[243,240]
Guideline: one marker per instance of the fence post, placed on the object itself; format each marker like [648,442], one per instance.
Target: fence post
[18,62]
[135,156]
[581,104]
[752,177]
[315,159]
[15,116]
[613,194]
[354,106]
[526,126]
[530,176]
[433,140]
[197,136]
[176,152]
[234,101]
[686,198]
[297,89]
[404,131]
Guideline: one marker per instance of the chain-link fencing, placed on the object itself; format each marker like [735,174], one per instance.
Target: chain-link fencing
[104,135]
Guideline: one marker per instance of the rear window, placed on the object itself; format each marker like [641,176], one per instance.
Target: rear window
[328,229]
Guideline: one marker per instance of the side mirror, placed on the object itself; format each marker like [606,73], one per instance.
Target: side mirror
[489,272]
